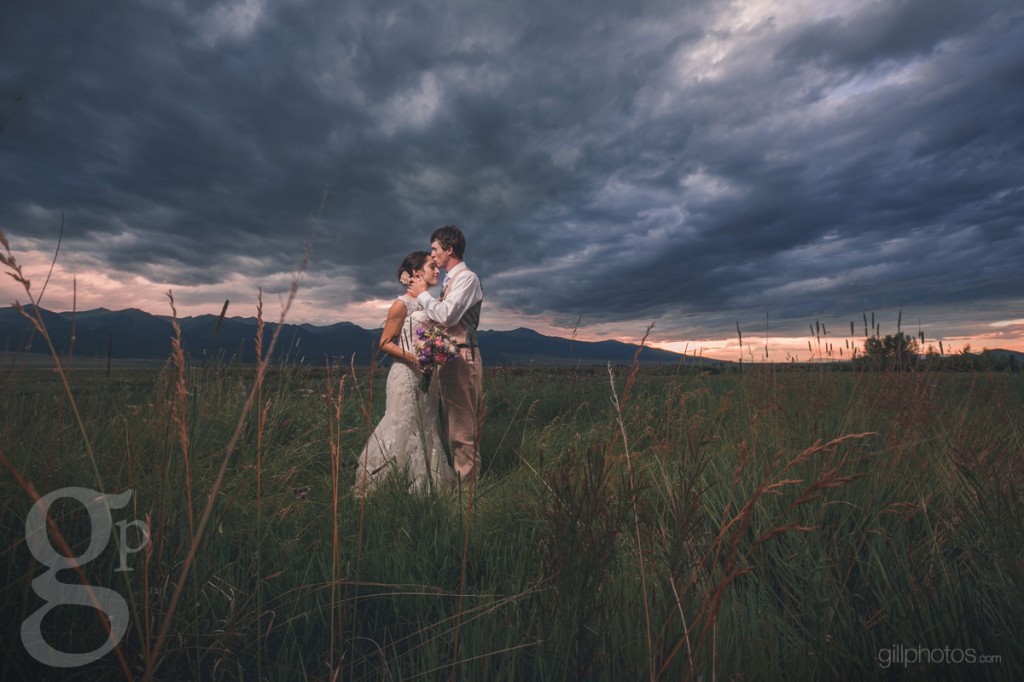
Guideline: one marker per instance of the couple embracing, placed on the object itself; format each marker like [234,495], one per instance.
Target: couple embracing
[418,398]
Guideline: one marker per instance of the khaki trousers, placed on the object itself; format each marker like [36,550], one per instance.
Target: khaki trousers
[461,383]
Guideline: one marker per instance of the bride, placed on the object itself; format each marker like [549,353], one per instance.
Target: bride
[406,440]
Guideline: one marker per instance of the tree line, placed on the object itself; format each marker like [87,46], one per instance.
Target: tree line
[901,352]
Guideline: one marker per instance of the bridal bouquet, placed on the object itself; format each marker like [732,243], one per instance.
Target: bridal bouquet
[434,346]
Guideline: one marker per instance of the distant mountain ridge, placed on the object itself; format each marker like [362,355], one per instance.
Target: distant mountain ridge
[135,334]
[1000,352]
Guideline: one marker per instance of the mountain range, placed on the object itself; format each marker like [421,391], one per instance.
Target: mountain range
[138,335]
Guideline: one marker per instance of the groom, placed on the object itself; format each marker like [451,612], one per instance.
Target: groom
[458,310]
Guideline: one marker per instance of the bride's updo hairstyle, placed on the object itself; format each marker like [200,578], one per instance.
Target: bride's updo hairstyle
[414,261]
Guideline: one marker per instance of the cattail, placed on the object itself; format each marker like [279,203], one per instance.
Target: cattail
[220,320]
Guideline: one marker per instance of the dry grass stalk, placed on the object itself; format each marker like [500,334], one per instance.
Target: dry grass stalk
[8,260]
[725,552]
[334,402]
[219,480]
[178,408]
[627,391]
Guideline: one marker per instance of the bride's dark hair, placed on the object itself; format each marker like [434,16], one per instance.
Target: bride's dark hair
[414,261]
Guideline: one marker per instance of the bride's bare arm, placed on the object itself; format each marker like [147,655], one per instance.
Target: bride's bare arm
[392,328]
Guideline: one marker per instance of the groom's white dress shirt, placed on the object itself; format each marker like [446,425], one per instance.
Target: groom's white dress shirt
[463,293]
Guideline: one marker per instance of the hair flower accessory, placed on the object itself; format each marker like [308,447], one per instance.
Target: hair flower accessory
[405,279]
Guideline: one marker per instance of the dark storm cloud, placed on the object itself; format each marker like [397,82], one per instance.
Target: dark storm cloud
[890,31]
[694,163]
[848,204]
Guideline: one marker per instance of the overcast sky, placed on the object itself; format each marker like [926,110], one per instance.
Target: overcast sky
[694,163]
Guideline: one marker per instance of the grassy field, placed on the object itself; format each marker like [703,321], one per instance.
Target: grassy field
[653,524]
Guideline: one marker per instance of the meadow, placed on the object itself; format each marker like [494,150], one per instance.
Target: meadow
[658,523]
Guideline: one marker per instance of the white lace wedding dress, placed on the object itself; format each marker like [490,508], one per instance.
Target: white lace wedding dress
[407,437]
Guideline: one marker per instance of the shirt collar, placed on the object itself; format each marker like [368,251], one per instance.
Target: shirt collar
[458,268]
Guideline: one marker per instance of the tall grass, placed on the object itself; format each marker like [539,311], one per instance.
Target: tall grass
[659,524]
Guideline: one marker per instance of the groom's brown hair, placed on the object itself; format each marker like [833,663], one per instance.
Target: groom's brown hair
[450,237]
